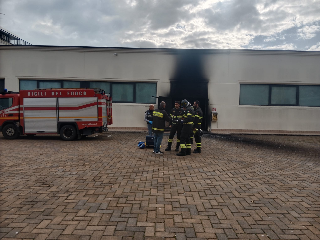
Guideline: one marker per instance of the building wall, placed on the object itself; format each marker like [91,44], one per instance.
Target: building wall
[47,63]
[225,70]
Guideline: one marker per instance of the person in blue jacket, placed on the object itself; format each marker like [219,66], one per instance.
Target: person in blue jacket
[148,117]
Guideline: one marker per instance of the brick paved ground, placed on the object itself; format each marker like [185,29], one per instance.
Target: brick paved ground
[240,187]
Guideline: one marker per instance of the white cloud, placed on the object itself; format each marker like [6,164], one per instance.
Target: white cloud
[308,32]
[47,27]
[286,46]
[166,23]
[315,47]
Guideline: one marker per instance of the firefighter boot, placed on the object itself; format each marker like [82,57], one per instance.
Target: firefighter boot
[169,146]
[188,152]
[177,147]
[197,150]
[182,152]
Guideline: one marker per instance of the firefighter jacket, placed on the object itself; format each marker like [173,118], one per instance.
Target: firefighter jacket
[188,115]
[148,116]
[198,115]
[160,116]
[176,116]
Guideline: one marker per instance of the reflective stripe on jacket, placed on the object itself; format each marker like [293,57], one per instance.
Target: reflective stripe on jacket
[198,118]
[160,116]
[188,115]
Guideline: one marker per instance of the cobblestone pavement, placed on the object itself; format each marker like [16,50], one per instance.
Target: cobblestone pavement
[239,187]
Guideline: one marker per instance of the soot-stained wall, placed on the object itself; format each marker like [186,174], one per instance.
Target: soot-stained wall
[189,81]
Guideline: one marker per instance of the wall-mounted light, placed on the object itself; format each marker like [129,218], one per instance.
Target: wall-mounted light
[115,54]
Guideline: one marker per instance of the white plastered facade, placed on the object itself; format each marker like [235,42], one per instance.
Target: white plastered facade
[225,70]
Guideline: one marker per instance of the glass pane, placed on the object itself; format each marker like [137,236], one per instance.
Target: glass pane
[49,84]
[102,85]
[145,91]
[254,94]
[309,96]
[28,84]
[122,92]
[71,84]
[5,103]
[283,95]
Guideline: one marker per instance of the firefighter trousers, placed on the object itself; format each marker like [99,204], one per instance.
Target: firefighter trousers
[186,133]
[197,139]
[175,128]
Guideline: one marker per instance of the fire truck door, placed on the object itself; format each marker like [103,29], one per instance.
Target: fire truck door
[40,115]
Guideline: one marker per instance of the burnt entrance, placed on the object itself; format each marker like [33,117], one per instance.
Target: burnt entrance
[189,82]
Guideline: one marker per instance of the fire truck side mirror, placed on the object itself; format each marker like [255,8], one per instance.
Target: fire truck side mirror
[214,115]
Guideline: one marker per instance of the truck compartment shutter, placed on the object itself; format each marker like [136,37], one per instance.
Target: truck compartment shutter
[78,109]
[103,106]
[40,115]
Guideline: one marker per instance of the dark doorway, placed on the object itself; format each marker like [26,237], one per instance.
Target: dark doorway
[191,93]
[1,85]
[189,81]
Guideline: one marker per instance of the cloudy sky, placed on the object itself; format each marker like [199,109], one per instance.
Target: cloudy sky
[201,24]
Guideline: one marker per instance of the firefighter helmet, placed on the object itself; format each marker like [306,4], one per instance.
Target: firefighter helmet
[141,145]
[184,103]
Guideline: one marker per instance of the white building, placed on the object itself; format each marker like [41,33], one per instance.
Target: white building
[272,91]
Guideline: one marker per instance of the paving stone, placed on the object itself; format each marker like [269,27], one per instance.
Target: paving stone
[239,187]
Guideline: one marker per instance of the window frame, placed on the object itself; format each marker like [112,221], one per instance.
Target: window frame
[120,83]
[11,102]
[299,94]
[271,86]
[86,84]
[268,100]
[135,92]
[296,86]
[41,81]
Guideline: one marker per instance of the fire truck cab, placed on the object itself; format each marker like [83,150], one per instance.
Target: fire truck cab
[72,113]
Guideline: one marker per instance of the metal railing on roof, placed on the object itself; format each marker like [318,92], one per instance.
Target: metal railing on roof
[11,39]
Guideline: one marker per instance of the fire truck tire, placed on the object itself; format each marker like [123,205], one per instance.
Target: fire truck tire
[10,131]
[68,132]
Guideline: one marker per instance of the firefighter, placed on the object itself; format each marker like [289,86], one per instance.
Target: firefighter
[148,117]
[176,126]
[188,115]
[198,115]
[160,116]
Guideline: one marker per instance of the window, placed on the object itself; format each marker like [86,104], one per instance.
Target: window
[283,95]
[49,84]
[146,92]
[102,85]
[71,84]
[133,92]
[254,94]
[280,95]
[5,103]
[122,92]
[28,84]
[309,96]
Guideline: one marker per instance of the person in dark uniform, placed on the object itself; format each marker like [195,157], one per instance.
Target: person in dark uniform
[160,116]
[176,126]
[198,115]
[186,131]
[148,117]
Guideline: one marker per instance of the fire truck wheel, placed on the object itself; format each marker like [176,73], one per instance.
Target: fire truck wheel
[68,132]
[10,131]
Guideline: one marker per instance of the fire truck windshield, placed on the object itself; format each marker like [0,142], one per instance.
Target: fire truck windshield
[5,103]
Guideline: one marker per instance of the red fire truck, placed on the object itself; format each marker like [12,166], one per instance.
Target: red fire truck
[72,113]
